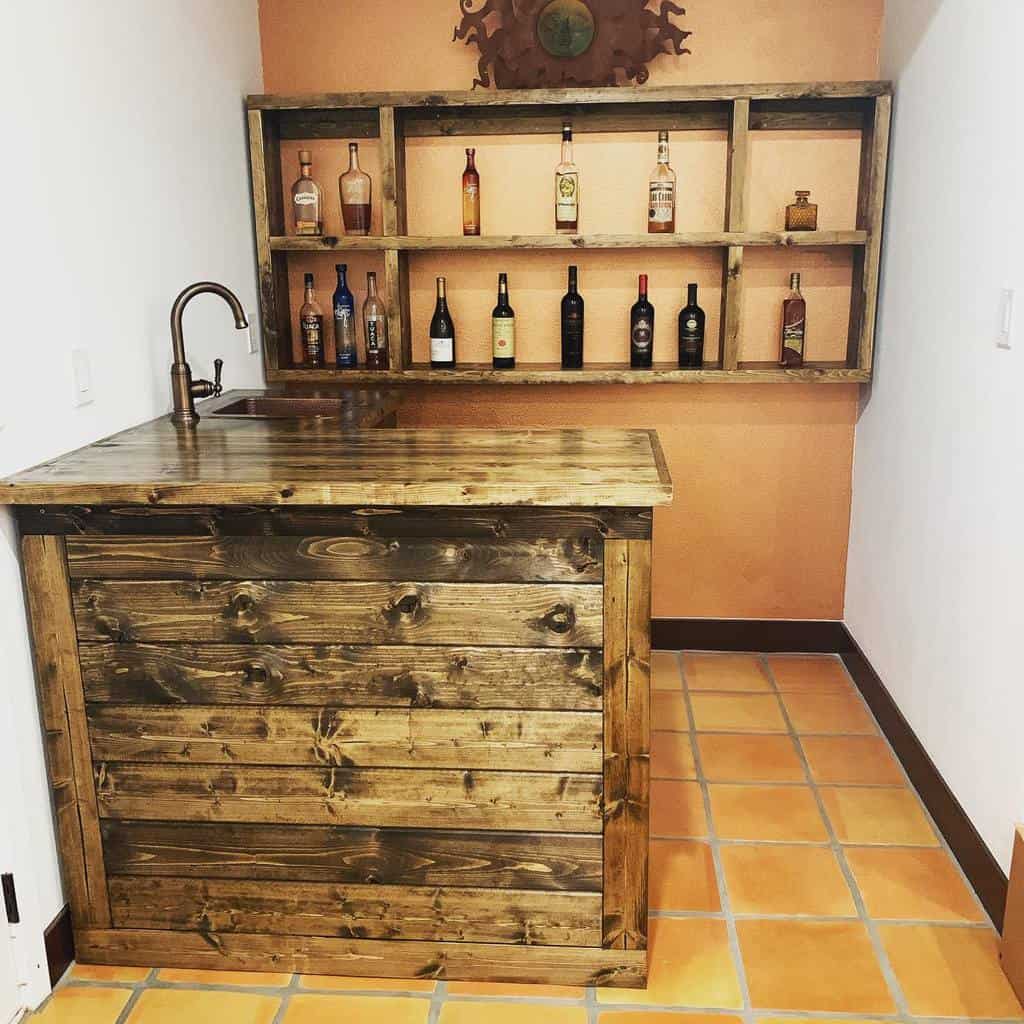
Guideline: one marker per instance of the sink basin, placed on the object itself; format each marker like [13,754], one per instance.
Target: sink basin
[283,407]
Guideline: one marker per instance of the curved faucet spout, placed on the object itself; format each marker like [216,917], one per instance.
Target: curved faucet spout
[183,390]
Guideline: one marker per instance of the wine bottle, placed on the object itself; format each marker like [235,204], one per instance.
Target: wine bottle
[641,330]
[442,333]
[311,325]
[572,325]
[375,326]
[503,329]
[691,331]
[567,188]
[471,195]
[794,325]
[346,356]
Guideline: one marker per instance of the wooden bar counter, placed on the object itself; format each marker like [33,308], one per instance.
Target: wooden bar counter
[358,702]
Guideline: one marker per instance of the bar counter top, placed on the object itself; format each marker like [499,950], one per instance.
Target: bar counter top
[230,460]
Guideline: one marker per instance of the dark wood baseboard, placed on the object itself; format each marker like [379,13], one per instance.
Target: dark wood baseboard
[980,867]
[60,944]
[767,636]
[832,637]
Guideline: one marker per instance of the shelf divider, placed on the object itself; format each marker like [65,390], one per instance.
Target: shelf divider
[736,174]
[395,220]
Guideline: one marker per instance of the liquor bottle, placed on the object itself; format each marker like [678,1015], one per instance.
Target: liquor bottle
[307,199]
[572,325]
[442,333]
[691,331]
[375,326]
[567,188]
[802,215]
[503,329]
[346,357]
[794,325]
[354,186]
[641,330]
[311,325]
[661,208]
[471,196]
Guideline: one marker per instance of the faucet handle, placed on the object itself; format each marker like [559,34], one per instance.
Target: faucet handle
[218,366]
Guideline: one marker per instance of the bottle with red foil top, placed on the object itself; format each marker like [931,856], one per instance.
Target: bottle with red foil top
[641,330]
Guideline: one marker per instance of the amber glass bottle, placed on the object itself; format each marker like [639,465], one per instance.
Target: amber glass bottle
[794,325]
[470,196]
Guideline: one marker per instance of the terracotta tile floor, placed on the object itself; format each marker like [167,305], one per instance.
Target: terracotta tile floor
[795,877]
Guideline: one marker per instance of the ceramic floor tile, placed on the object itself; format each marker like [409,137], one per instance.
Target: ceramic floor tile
[479,988]
[728,757]
[677,809]
[920,885]
[682,876]
[826,966]
[665,674]
[330,983]
[834,713]
[786,880]
[661,1017]
[83,1005]
[727,672]
[510,1013]
[252,978]
[864,760]
[737,712]
[668,711]
[950,972]
[813,673]
[776,813]
[339,1009]
[173,1006]
[103,972]
[877,816]
[690,964]
[672,756]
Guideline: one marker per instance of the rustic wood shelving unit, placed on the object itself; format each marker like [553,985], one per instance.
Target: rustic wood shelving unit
[738,110]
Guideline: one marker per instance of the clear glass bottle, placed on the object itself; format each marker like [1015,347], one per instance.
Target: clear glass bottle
[355,188]
[802,215]
[311,324]
[661,206]
[567,188]
[794,325]
[346,356]
[375,326]
[503,329]
[471,195]
[307,199]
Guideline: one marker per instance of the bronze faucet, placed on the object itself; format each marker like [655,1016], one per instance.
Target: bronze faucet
[184,390]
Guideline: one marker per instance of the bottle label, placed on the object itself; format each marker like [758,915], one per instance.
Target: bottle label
[662,202]
[305,198]
[470,207]
[793,336]
[642,334]
[313,338]
[503,337]
[690,325]
[442,350]
[376,333]
[567,187]
[344,335]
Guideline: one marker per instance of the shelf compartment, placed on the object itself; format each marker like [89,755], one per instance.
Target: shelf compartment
[682,240]
[594,373]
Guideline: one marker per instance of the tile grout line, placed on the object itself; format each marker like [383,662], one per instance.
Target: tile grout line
[895,989]
[136,995]
[716,857]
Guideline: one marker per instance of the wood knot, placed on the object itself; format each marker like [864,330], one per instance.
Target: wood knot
[287,492]
[560,619]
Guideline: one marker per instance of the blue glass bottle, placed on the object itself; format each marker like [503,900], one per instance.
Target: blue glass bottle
[344,322]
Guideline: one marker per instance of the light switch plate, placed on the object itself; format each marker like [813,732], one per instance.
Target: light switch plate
[250,340]
[1003,340]
[82,374]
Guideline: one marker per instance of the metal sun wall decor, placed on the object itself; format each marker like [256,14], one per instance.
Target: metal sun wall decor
[535,44]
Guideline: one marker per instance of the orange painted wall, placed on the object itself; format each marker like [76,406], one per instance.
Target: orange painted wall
[759,524]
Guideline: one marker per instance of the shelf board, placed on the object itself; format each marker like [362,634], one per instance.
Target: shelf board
[593,373]
[453,243]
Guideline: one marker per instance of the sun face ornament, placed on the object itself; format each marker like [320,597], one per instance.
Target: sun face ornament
[536,44]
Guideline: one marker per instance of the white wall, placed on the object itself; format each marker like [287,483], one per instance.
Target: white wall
[936,554]
[124,178]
